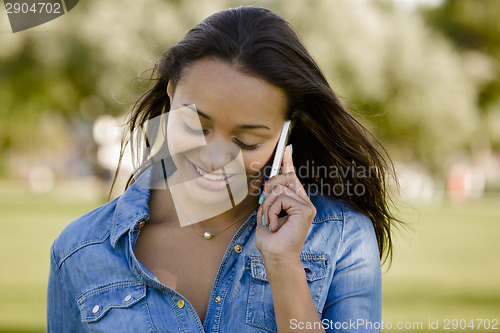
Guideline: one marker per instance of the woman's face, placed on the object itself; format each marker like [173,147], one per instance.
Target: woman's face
[223,127]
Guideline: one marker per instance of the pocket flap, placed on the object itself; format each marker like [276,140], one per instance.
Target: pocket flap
[96,302]
[314,266]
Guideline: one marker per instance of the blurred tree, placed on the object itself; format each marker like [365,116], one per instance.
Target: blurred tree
[403,80]
[474,27]
[77,67]
[43,77]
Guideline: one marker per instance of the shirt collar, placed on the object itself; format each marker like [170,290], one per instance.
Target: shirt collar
[132,206]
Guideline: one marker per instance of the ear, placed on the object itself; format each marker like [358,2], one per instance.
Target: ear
[170,91]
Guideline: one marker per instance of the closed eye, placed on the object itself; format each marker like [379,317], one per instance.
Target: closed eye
[204,131]
[194,131]
[245,146]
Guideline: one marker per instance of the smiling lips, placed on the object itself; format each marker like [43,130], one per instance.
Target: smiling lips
[209,175]
[208,180]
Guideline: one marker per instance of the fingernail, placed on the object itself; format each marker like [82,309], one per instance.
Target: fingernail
[291,149]
[261,198]
[263,220]
[270,229]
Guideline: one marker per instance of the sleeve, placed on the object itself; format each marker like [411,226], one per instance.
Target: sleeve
[60,315]
[354,301]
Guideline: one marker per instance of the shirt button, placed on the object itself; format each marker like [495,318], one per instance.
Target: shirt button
[95,309]
[127,298]
[238,248]
[141,224]
[180,304]
[217,299]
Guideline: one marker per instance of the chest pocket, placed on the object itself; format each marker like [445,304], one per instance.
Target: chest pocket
[260,308]
[116,307]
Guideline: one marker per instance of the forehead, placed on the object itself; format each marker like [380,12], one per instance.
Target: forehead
[221,91]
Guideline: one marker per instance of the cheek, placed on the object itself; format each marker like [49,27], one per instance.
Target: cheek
[254,162]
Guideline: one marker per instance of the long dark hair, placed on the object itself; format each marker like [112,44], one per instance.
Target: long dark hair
[260,43]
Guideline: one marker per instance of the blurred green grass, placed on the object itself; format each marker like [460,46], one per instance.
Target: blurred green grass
[30,222]
[447,267]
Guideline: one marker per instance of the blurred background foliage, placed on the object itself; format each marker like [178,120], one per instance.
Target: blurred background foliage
[423,75]
[425,80]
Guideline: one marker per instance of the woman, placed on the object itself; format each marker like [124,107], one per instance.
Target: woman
[203,240]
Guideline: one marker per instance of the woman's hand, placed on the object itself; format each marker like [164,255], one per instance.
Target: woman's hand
[288,234]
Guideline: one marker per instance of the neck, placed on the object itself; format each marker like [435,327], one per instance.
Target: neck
[163,207]
[241,211]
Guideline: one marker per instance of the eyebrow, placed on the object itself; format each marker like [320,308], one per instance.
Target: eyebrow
[204,115]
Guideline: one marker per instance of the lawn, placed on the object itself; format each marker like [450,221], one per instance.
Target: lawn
[446,267]
[30,223]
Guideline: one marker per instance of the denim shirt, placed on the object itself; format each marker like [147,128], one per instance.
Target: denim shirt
[96,283]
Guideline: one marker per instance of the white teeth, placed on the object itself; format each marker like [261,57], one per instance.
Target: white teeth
[208,175]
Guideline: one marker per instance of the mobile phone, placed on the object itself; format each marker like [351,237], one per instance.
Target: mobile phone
[280,148]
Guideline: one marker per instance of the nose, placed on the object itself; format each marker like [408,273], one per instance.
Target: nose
[217,154]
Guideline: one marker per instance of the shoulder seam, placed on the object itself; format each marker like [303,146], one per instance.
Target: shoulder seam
[80,246]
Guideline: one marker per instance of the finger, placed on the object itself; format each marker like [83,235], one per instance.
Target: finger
[293,207]
[271,196]
[276,225]
[284,179]
[282,202]
[260,217]
[289,180]
[280,189]
[287,164]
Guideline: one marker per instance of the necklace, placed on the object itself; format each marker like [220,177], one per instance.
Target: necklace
[207,234]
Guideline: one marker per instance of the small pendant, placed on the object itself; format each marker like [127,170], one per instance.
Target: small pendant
[208,235]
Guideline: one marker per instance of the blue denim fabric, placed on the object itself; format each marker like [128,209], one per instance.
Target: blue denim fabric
[96,283]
